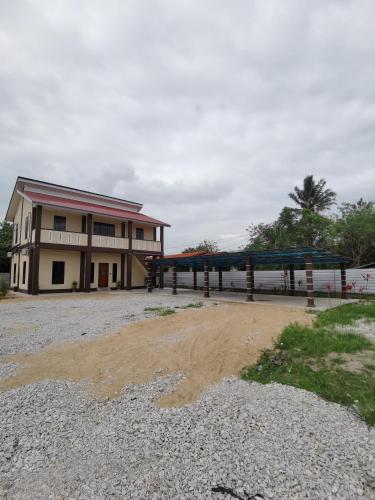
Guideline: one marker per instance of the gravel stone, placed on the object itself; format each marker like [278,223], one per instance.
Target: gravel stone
[56,441]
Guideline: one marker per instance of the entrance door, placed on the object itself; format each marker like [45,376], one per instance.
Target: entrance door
[103,275]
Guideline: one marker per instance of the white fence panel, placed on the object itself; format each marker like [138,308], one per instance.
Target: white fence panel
[325,280]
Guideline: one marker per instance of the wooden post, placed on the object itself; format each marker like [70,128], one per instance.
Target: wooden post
[149,277]
[220,280]
[343,281]
[292,280]
[249,281]
[88,254]
[36,251]
[206,281]
[161,276]
[194,279]
[174,279]
[309,281]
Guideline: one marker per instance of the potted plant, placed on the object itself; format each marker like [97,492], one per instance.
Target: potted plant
[74,286]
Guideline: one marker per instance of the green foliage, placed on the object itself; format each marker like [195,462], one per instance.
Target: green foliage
[160,311]
[205,246]
[6,234]
[193,305]
[346,314]
[314,195]
[4,287]
[300,355]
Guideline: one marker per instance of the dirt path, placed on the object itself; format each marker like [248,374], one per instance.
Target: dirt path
[205,345]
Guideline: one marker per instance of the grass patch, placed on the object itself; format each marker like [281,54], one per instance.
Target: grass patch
[160,311]
[193,305]
[346,314]
[301,358]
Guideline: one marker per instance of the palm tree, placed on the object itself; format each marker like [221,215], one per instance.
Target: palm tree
[314,195]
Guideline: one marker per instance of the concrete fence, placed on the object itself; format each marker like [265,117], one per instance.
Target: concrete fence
[362,281]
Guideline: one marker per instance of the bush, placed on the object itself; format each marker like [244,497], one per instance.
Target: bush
[4,287]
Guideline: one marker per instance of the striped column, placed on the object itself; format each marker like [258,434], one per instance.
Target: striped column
[309,281]
[206,282]
[249,281]
[343,281]
[174,280]
[149,277]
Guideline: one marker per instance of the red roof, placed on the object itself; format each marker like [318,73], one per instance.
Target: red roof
[47,199]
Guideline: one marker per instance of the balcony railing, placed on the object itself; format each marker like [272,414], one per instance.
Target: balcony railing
[109,242]
[80,239]
[146,245]
[63,237]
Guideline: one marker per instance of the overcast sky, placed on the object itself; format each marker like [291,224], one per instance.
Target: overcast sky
[208,111]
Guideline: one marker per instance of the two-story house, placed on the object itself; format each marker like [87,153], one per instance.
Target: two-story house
[65,238]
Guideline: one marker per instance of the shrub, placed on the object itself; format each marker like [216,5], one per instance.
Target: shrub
[4,287]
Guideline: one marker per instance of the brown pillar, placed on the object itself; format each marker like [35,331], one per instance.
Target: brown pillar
[206,281]
[129,258]
[162,240]
[343,281]
[174,279]
[309,281]
[161,275]
[122,271]
[88,254]
[149,276]
[36,251]
[220,280]
[249,281]
[292,280]
[194,279]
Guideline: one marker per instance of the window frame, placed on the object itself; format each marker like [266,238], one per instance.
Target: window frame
[14,272]
[104,229]
[142,232]
[56,280]
[57,223]
[114,272]
[27,226]
[92,273]
[24,272]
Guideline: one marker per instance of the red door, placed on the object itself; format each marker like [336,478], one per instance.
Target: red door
[103,275]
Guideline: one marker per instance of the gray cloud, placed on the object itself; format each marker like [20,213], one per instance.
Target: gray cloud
[207,112]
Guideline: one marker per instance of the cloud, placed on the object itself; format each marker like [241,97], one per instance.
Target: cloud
[206,112]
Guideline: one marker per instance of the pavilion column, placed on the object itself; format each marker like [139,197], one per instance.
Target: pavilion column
[249,281]
[343,281]
[220,280]
[36,250]
[292,280]
[161,275]
[149,276]
[194,279]
[206,281]
[122,271]
[174,279]
[309,281]
[88,253]
[129,257]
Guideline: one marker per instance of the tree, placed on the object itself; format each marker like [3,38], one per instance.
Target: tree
[6,234]
[293,228]
[205,246]
[354,232]
[314,195]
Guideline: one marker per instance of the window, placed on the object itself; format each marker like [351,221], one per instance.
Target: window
[15,234]
[59,223]
[14,272]
[114,273]
[103,229]
[58,272]
[92,278]
[24,272]
[139,233]
[27,223]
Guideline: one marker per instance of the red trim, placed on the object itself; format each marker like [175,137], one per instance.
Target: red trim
[91,208]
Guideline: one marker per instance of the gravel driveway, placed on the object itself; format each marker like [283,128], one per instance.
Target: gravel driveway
[57,442]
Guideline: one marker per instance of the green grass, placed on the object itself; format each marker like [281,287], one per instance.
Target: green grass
[160,311]
[300,358]
[346,314]
[193,305]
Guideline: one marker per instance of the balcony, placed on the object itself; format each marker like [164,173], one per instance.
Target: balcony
[146,245]
[109,242]
[62,237]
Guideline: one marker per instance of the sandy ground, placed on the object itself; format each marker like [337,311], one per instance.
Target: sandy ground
[205,345]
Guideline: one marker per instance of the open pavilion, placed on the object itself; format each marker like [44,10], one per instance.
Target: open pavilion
[302,257]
